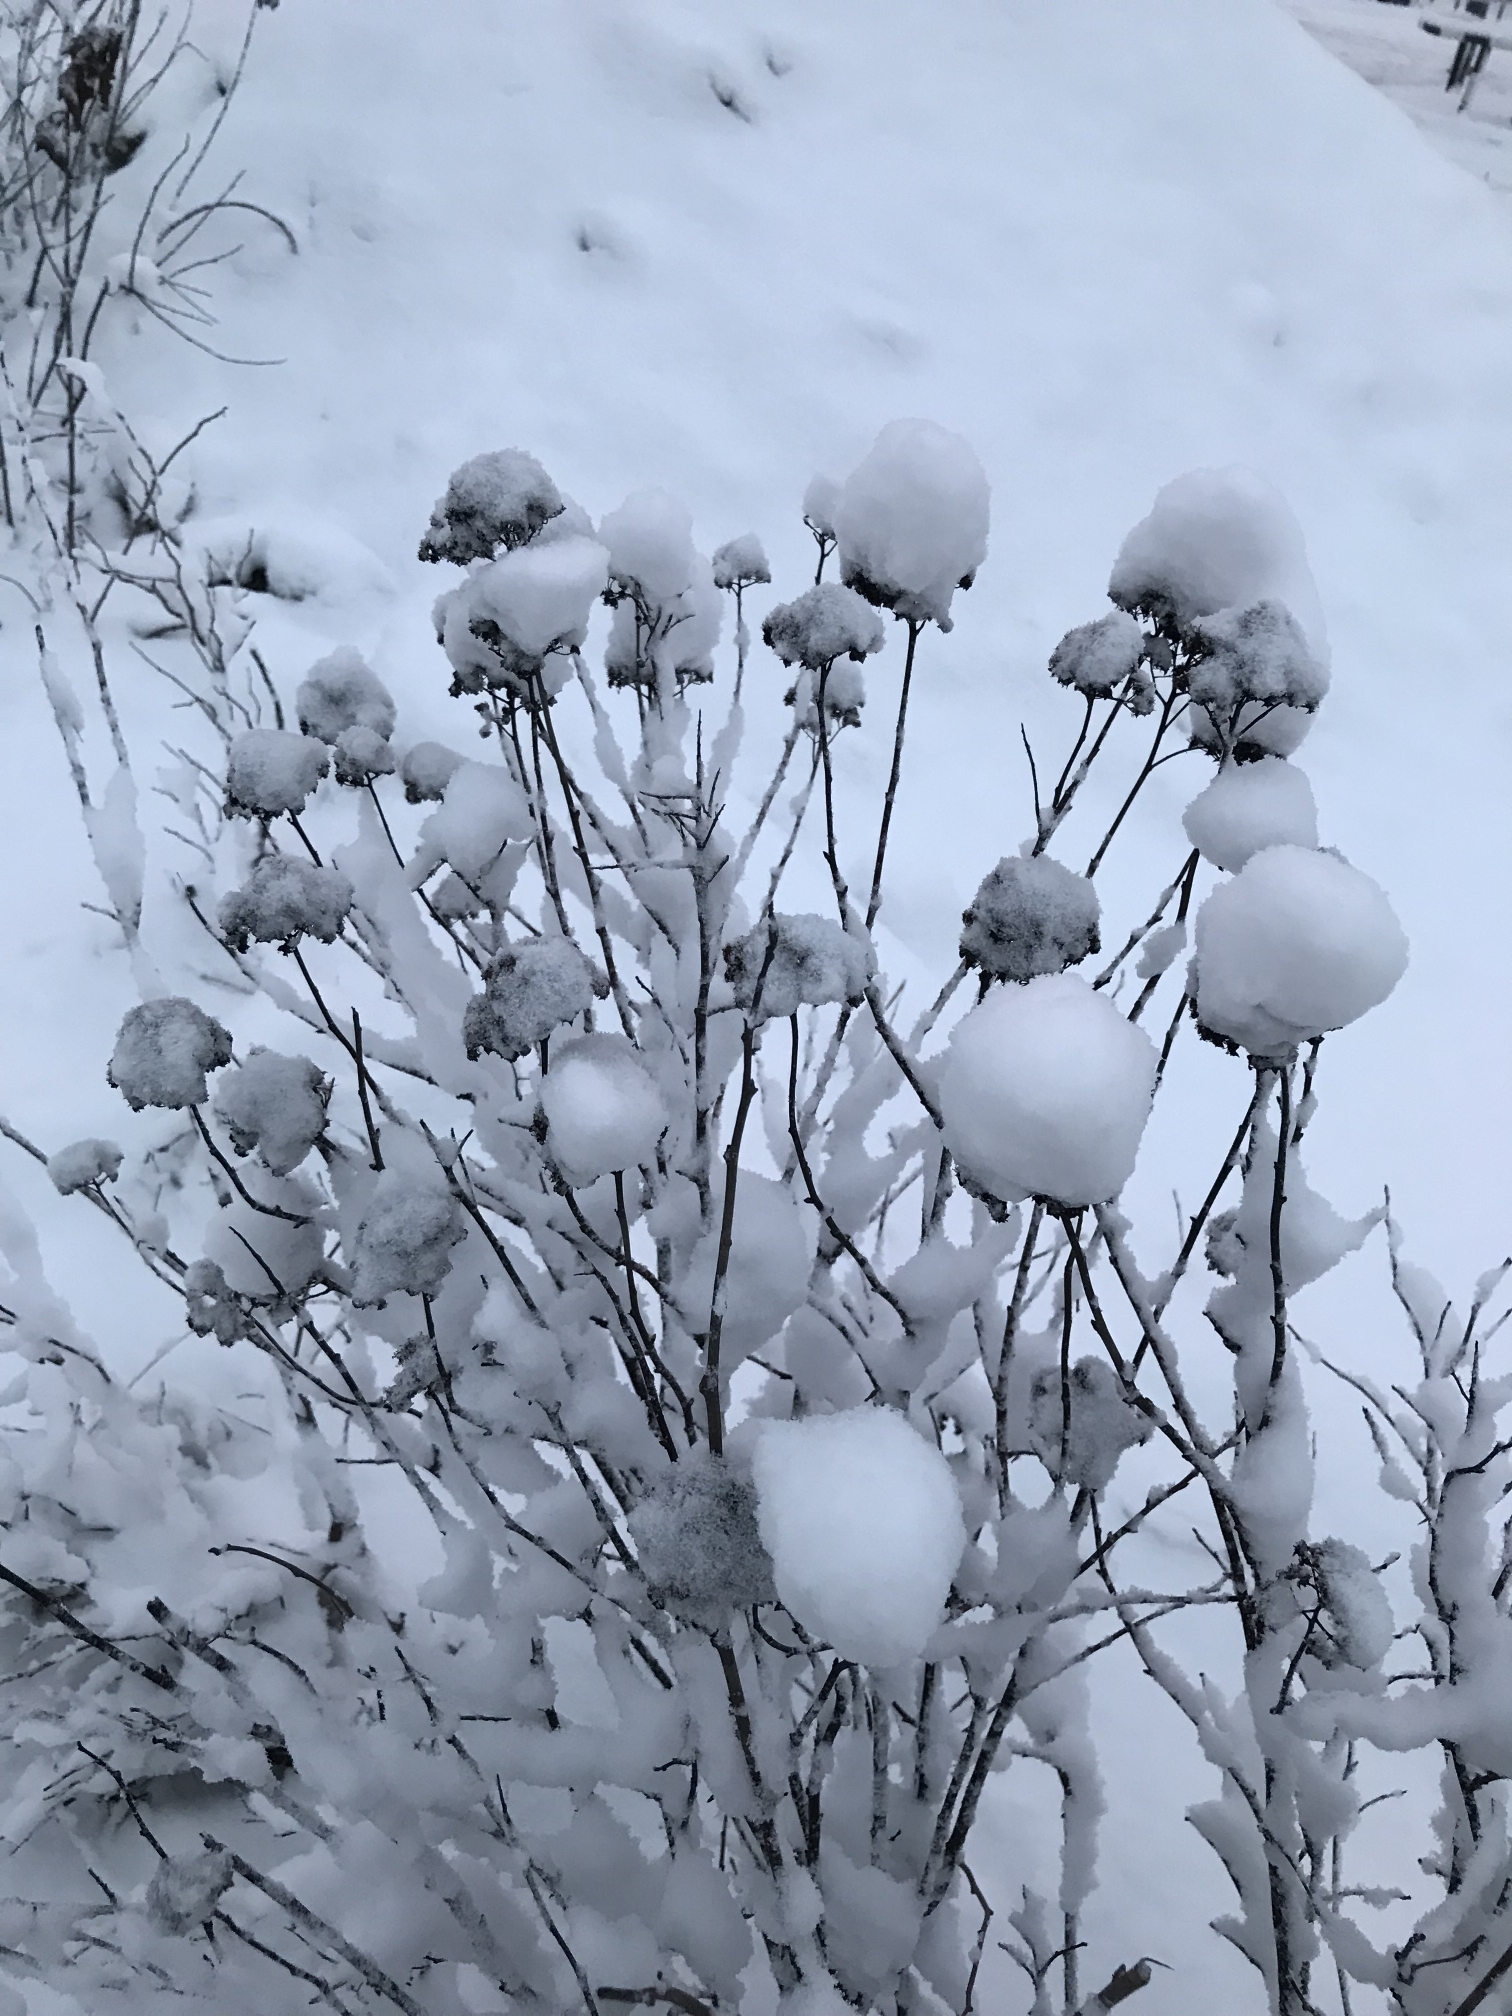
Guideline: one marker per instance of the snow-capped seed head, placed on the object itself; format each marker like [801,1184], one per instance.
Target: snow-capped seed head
[602,1108]
[275,1105]
[185,1889]
[1355,1625]
[1297,943]
[792,962]
[650,542]
[1030,916]
[1096,658]
[912,520]
[698,1542]
[1255,653]
[1045,1091]
[500,499]
[1217,539]
[341,692]
[542,596]
[163,1052]
[482,809]
[286,899]
[82,1163]
[821,625]
[533,989]
[1249,806]
[426,771]
[419,1369]
[741,563]
[821,501]
[269,771]
[360,755]
[1104,1423]
[210,1307]
[404,1240]
[844,688]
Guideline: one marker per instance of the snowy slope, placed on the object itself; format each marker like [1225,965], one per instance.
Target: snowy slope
[714,247]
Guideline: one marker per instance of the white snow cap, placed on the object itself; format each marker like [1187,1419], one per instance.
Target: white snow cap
[1297,943]
[603,1108]
[650,541]
[771,1258]
[912,519]
[1219,539]
[543,594]
[861,1518]
[481,809]
[1249,806]
[1045,1091]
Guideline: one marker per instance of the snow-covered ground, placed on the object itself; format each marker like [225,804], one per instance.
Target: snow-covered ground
[664,242]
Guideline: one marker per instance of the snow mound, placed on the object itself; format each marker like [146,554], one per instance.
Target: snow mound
[821,625]
[1250,806]
[163,1052]
[912,520]
[1218,539]
[861,1518]
[269,771]
[499,499]
[533,989]
[1096,658]
[1298,943]
[1104,1424]
[741,563]
[405,1236]
[1045,1090]
[275,1105]
[698,1541]
[603,1110]
[795,961]
[426,771]
[482,809]
[542,596]
[286,899]
[650,542]
[1030,916]
[82,1163]
[340,692]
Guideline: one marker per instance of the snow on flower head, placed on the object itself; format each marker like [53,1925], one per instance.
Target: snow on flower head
[426,771]
[1096,658]
[821,501]
[767,1275]
[1031,915]
[1045,1091]
[541,596]
[405,1237]
[269,771]
[844,688]
[275,1105]
[500,499]
[912,520]
[341,692]
[698,1542]
[532,989]
[185,1889]
[1255,683]
[741,563]
[1295,944]
[286,899]
[863,1524]
[602,1108]
[1249,806]
[361,754]
[1105,1424]
[1218,539]
[482,809]
[82,1163]
[650,542]
[796,961]
[821,625]
[163,1052]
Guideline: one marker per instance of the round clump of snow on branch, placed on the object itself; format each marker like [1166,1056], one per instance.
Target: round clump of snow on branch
[822,624]
[405,1236]
[163,1051]
[341,692]
[286,899]
[1031,915]
[786,963]
[862,1521]
[602,1109]
[269,771]
[532,989]
[274,1105]
[699,1543]
[1097,658]
[1250,806]
[499,499]
[911,520]
[1045,1091]
[1297,943]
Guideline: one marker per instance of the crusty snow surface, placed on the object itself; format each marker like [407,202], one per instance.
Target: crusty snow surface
[713,248]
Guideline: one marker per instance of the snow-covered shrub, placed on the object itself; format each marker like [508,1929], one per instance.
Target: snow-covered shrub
[685,1425]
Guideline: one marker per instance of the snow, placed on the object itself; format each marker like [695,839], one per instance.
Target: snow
[1104,1425]
[499,499]
[1031,915]
[532,989]
[1096,658]
[1249,806]
[283,900]
[541,596]
[741,563]
[911,520]
[426,770]
[1218,539]
[793,962]
[362,754]
[602,1108]
[275,1105]
[269,771]
[861,1519]
[163,1051]
[767,1276]
[482,809]
[650,544]
[185,1889]
[405,1236]
[697,1540]
[1297,943]
[824,623]
[82,1163]
[1045,1090]
[1256,683]
[341,691]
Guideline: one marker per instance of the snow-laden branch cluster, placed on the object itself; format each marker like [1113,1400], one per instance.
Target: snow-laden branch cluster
[684,1410]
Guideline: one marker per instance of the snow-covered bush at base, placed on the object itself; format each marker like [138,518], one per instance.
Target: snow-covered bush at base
[654,1428]
[1295,944]
[862,1521]
[1045,1092]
